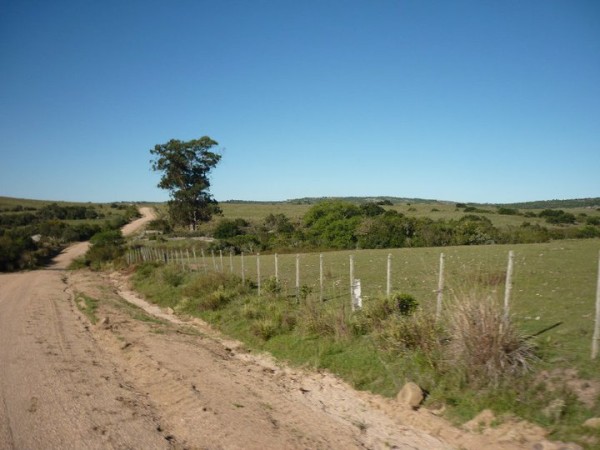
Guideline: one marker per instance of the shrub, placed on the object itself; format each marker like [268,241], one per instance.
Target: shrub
[217,299]
[105,246]
[405,304]
[172,276]
[272,286]
[418,331]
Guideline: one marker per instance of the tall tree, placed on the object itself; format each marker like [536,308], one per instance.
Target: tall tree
[185,167]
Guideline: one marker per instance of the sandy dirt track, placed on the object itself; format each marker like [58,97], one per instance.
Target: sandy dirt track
[135,380]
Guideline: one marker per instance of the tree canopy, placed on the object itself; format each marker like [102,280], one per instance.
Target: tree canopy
[185,167]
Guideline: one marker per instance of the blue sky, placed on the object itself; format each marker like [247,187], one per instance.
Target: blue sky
[482,101]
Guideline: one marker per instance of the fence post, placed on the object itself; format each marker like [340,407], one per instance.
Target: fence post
[438,309]
[195,259]
[204,261]
[258,272]
[508,285]
[243,269]
[298,278]
[352,281]
[388,285]
[321,276]
[596,338]
[276,269]
[221,259]
[231,261]
[214,260]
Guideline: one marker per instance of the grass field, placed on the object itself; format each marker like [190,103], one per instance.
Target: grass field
[553,282]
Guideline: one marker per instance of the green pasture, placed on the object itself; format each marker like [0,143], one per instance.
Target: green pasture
[552,282]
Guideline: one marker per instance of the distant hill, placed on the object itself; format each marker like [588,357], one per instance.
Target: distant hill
[554,204]
[376,199]
[593,202]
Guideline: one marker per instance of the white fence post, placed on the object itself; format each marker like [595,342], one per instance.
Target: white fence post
[356,295]
[352,281]
[230,261]
[438,309]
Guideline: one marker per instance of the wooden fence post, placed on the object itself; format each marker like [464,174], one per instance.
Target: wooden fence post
[221,259]
[258,272]
[276,269]
[596,338]
[388,285]
[298,278]
[508,285]
[230,261]
[243,269]
[321,276]
[440,290]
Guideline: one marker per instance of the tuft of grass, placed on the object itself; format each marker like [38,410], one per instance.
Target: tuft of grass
[88,306]
[484,344]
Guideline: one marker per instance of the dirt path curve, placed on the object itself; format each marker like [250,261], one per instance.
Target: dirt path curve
[148,379]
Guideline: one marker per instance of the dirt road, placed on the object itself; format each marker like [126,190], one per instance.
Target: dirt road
[135,380]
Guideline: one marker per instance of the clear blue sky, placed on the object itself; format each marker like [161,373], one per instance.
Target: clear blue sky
[483,101]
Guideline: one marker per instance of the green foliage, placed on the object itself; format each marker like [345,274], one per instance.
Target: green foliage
[508,211]
[185,167]
[332,224]
[558,216]
[105,246]
[161,225]
[228,228]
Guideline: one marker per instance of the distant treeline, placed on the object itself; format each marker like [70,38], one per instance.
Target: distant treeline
[336,224]
[552,204]
[388,200]
[30,238]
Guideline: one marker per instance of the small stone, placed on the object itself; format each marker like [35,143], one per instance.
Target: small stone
[594,422]
[482,420]
[410,395]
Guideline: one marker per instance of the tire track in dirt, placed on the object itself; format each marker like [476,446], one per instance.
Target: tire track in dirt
[58,389]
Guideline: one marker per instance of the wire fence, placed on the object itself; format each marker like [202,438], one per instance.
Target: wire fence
[546,287]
